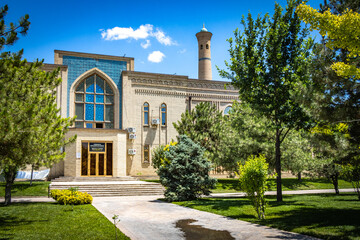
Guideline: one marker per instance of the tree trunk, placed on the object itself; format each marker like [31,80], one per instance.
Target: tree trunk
[334,179]
[31,177]
[279,197]
[299,176]
[10,175]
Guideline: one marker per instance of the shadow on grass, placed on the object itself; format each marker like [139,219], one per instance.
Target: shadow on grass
[294,184]
[228,184]
[319,222]
[8,220]
[325,216]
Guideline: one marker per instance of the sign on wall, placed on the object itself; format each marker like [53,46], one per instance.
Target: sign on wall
[97,147]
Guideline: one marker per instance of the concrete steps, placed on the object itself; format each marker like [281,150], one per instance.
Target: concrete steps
[93,179]
[112,188]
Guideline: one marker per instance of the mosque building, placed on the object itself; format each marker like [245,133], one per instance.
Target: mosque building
[122,114]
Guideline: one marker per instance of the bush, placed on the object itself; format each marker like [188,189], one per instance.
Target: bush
[183,170]
[71,197]
[253,176]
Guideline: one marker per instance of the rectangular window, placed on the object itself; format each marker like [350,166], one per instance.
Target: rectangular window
[99,113]
[146,153]
[79,124]
[89,112]
[163,119]
[146,118]
[79,111]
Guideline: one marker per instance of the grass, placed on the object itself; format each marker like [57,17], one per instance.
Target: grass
[232,185]
[24,189]
[54,221]
[325,216]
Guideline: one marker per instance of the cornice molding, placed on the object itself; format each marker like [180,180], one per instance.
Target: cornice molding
[185,84]
[194,96]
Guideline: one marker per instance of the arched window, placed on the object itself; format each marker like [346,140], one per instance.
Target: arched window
[207,46]
[163,114]
[146,113]
[201,46]
[94,103]
[227,110]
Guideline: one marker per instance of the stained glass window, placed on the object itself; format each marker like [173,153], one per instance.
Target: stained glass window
[94,108]
[89,112]
[146,113]
[227,110]
[99,112]
[163,114]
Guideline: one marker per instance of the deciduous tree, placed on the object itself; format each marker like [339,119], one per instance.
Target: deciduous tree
[269,60]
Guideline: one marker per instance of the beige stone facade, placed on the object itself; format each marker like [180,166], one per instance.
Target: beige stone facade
[106,113]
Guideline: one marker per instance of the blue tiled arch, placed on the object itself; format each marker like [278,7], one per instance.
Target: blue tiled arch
[79,65]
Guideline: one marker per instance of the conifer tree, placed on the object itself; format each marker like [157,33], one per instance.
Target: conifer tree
[31,129]
[203,125]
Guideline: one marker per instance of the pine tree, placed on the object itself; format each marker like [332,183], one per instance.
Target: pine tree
[31,129]
[184,171]
[203,125]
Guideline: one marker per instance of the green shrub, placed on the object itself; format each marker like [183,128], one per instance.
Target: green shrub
[253,176]
[71,197]
[183,170]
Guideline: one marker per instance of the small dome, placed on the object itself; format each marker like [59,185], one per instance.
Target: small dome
[204,29]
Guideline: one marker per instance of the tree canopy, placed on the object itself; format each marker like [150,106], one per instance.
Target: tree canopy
[269,61]
[343,30]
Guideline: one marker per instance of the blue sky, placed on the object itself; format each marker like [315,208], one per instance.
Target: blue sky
[160,35]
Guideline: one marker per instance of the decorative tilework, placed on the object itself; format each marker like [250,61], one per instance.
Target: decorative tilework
[90,88]
[89,112]
[99,98]
[99,113]
[99,89]
[89,98]
[79,65]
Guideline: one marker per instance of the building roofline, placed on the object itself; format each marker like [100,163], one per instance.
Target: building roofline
[53,66]
[93,55]
[170,77]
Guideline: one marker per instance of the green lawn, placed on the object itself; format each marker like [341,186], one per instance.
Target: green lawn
[326,216]
[54,221]
[232,185]
[24,189]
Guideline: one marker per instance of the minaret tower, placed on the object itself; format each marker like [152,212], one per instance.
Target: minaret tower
[204,46]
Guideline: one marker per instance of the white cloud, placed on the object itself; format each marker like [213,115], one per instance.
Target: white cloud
[143,32]
[182,51]
[162,38]
[146,44]
[118,33]
[156,56]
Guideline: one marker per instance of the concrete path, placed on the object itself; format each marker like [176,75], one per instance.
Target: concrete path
[146,218]
[28,199]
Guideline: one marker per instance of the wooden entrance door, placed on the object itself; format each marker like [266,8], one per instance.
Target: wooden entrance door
[96,159]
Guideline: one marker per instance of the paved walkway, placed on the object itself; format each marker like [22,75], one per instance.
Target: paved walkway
[28,199]
[146,218]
